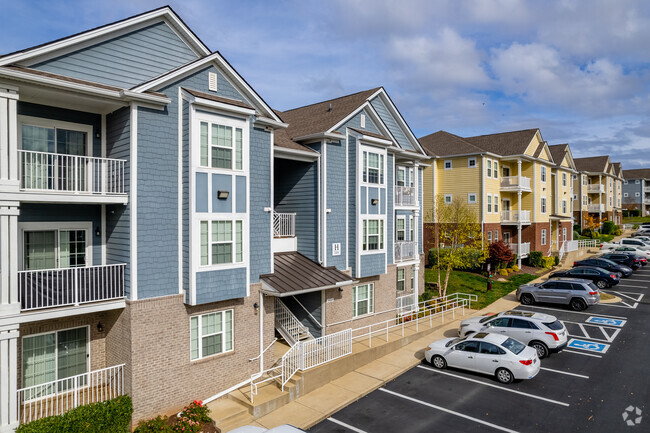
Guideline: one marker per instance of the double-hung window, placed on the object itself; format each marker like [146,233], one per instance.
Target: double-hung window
[373,167]
[489,203]
[221,146]
[401,278]
[489,168]
[489,236]
[373,235]
[413,274]
[363,299]
[411,228]
[401,177]
[496,170]
[543,205]
[400,229]
[211,334]
[221,242]
[543,174]
[543,236]
[563,207]
[496,203]
[563,179]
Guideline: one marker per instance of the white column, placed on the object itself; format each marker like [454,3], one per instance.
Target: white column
[8,379]
[9,137]
[416,284]
[600,196]
[519,213]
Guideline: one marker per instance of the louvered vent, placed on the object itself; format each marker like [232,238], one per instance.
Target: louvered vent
[212,81]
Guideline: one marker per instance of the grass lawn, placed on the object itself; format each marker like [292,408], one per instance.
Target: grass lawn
[636,220]
[467,282]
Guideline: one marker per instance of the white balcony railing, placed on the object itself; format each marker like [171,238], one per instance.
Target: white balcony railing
[646,188]
[48,288]
[509,216]
[60,396]
[43,171]
[515,183]
[595,188]
[284,225]
[524,251]
[406,196]
[596,208]
[405,251]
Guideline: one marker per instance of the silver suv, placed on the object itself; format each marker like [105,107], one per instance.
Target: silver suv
[542,332]
[575,292]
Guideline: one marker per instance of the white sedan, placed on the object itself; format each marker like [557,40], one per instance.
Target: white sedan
[628,249]
[504,357]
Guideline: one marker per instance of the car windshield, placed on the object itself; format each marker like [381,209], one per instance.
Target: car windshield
[454,341]
[513,345]
[485,319]
[555,326]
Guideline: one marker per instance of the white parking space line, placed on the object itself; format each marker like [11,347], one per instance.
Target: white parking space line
[630,285]
[581,353]
[572,312]
[565,372]
[348,426]
[458,414]
[585,334]
[636,298]
[494,386]
[639,281]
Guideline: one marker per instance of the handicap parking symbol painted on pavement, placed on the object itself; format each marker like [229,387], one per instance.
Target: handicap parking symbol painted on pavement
[606,321]
[588,345]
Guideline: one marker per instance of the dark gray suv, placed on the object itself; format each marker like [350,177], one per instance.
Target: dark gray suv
[575,292]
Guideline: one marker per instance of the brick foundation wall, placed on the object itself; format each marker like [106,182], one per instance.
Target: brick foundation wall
[492,227]
[533,234]
[162,376]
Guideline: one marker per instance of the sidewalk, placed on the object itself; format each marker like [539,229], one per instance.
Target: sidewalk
[312,408]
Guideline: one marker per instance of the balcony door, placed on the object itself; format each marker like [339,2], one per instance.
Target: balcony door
[51,157]
[505,170]
[53,249]
[52,357]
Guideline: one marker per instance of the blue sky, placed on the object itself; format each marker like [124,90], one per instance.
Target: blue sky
[578,70]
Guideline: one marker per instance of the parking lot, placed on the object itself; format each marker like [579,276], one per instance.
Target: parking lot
[599,383]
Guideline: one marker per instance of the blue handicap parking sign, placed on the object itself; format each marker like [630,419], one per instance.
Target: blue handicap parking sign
[605,321]
[588,345]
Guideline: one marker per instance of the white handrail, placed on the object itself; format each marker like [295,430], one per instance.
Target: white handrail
[285,319]
[263,351]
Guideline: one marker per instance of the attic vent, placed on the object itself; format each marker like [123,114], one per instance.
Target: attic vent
[212,81]
[363,120]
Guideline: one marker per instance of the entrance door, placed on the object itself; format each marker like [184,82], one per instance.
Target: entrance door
[505,207]
[505,170]
[506,237]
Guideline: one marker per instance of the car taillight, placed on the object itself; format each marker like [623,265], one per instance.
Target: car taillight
[526,362]
[591,293]
[613,276]
[575,263]
[554,335]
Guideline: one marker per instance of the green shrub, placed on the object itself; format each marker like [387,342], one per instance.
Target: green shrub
[514,259]
[515,268]
[503,272]
[535,259]
[110,416]
[556,260]
[608,227]
[158,424]
[617,232]
[576,234]
[547,262]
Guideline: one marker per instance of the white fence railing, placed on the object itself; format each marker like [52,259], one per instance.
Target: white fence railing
[596,208]
[522,252]
[284,225]
[515,182]
[48,288]
[59,396]
[588,243]
[44,171]
[405,250]
[595,188]
[510,216]
[286,321]
[405,304]
[627,226]
[406,196]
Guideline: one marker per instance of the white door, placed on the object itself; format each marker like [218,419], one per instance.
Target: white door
[489,358]
[498,325]
[463,355]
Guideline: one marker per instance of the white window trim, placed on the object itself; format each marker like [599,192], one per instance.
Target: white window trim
[215,266]
[371,300]
[411,228]
[451,164]
[55,226]
[489,204]
[565,207]
[200,329]
[488,168]
[543,237]
[398,218]
[475,162]
[451,199]
[469,200]
[381,152]
[542,205]
[385,230]
[564,180]
[57,124]
[495,169]
[543,173]
[403,280]
[403,171]
[489,236]
[495,204]
[56,346]
[625,194]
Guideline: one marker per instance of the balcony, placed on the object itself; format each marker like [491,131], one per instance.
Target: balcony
[405,251]
[406,196]
[522,252]
[596,208]
[48,288]
[595,188]
[514,217]
[72,178]
[59,396]
[284,232]
[515,183]
[646,189]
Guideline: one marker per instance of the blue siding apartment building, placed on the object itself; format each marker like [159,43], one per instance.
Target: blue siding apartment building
[159,221]
[636,190]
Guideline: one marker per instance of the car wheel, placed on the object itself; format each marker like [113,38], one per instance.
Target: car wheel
[578,304]
[602,284]
[542,350]
[527,299]
[504,376]
[438,362]
[619,274]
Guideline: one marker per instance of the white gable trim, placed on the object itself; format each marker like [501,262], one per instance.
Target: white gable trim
[215,58]
[398,117]
[373,116]
[92,37]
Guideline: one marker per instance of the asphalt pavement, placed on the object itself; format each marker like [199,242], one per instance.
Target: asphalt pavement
[598,384]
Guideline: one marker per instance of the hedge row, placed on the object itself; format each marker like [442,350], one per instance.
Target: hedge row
[111,416]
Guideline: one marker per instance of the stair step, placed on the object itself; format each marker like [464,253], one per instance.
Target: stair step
[234,422]
[223,410]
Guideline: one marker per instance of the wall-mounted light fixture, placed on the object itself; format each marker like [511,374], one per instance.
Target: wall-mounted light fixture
[98,135]
[374,201]
[340,289]
[256,306]
[98,231]
[100,327]
[222,195]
